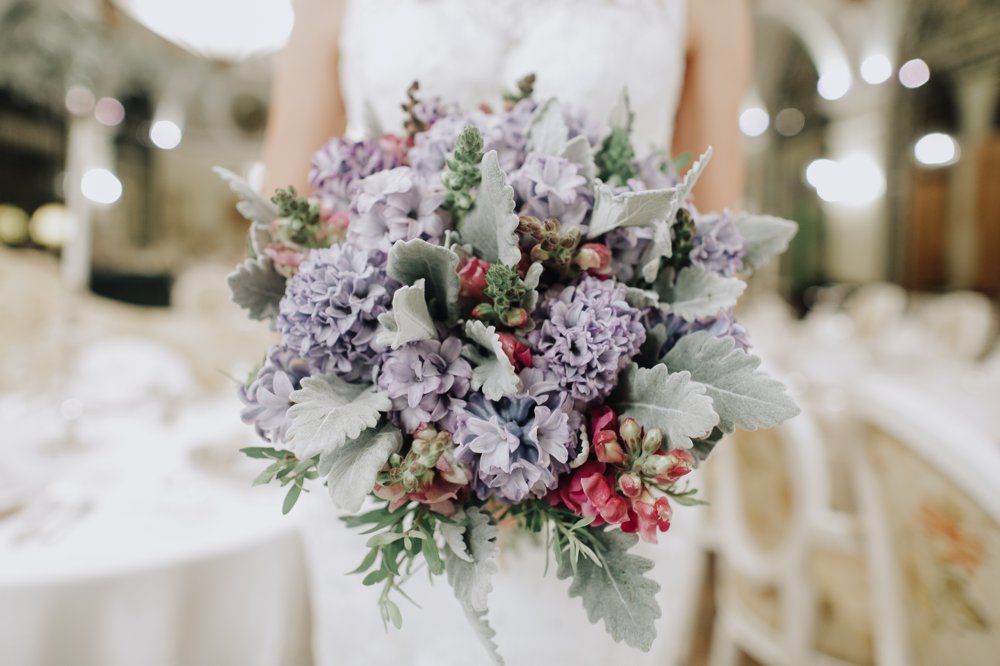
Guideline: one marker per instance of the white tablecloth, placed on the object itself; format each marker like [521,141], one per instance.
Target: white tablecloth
[136,539]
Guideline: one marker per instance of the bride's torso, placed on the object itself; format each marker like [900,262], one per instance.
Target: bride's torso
[582,51]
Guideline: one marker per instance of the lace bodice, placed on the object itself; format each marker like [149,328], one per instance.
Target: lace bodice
[583,51]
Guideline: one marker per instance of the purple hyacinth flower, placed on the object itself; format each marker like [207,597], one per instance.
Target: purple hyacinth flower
[427,382]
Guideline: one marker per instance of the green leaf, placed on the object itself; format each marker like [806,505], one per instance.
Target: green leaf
[257,287]
[351,469]
[261,452]
[693,174]
[472,581]
[367,563]
[392,610]
[268,474]
[410,261]
[703,447]
[434,562]
[493,372]
[671,402]
[617,592]
[329,412]
[579,151]
[699,293]
[629,209]
[374,577]
[384,539]
[744,396]
[291,498]
[491,226]
[531,279]
[252,205]
[409,320]
[548,133]
[764,236]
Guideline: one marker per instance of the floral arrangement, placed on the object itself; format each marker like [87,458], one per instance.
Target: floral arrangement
[502,316]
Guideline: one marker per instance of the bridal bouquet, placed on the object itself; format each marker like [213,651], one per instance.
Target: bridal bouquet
[502,316]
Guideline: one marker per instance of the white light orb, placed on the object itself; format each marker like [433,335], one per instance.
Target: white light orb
[79,100]
[789,122]
[165,134]
[914,73]
[834,84]
[109,111]
[754,121]
[101,186]
[876,69]
[936,149]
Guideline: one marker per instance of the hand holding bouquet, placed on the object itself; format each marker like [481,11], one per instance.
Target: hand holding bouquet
[502,315]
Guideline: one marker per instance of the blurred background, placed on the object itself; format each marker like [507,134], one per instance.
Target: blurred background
[866,531]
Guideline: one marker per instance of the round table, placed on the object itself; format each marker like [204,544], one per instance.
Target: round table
[130,534]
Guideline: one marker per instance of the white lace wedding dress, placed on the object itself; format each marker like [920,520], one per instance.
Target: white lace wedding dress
[583,51]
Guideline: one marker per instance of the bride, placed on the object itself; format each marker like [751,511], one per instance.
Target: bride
[686,68]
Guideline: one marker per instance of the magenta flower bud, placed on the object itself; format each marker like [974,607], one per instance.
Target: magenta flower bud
[680,463]
[517,352]
[595,258]
[630,485]
[472,278]
[517,317]
[615,510]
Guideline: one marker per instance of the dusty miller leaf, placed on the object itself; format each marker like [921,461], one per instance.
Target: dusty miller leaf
[328,412]
[744,396]
[257,287]
[698,294]
[410,261]
[691,177]
[408,320]
[764,236]
[579,151]
[621,113]
[662,245]
[351,470]
[548,133]
[619,592]
[472,580]
[668,401]
[531,279]
[493,372]
[490,227]
[454,537]
[252,204]
[628,209]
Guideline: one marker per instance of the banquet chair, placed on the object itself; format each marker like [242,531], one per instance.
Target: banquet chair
[963,323]
[928,485]
[791,580]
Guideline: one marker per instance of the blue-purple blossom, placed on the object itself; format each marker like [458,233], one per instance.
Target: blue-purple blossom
[394,205]
[517,446]
[431,148]
[341,163]
[588,334]
[628,245]
[329,312]
[549,186]
[432,109]
[653,172]
[266,399]
[427,382]
[717,245]
[579,122]
[723,325]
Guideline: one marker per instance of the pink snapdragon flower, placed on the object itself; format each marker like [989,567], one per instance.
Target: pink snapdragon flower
[472,278]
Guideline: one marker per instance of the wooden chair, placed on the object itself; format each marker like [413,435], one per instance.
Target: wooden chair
[928,486]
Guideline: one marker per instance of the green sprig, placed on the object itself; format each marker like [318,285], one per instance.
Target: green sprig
[614,159]
[508,298]
[463,173]
[286,469]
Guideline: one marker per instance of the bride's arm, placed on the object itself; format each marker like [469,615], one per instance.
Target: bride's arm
[306,104]
[715,80]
